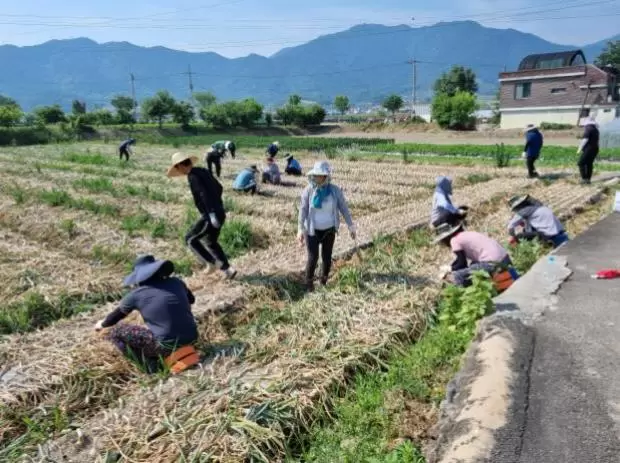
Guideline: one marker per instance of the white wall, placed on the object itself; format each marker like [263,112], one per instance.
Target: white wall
[519,119]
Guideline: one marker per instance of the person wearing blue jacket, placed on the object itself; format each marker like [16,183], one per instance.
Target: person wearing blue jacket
[246,180]
[125,148]
[272,150]
[533,147]
[292,166]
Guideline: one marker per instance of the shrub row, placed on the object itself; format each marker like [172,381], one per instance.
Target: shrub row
[559,153]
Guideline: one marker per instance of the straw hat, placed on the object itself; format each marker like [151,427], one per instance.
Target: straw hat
[288,156]
[445,230]
[529,127]
[178,158]
[320,169]
[277,143]
[145,267]
[517,201]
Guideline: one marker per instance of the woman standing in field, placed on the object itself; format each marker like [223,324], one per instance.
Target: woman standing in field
[588,150]
[322,203]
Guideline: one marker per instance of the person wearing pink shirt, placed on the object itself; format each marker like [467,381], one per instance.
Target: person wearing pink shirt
[473,251]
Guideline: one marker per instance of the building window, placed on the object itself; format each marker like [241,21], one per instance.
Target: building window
[606,110]
[523,90]
[556,91]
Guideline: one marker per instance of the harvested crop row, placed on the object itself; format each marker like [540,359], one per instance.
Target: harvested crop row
[234,412]
[71,337]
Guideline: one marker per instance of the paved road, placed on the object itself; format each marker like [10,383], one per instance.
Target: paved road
[573,404]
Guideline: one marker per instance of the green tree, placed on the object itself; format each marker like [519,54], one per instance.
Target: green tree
[50,114]
[78,107]
[7,101]
[205,99]
[10,115]
[610,55]
[455,112]
[183,113]
[458,79]
[294,100]
[158,107]
[393,103]
[341,103]
[301,116]
[124,106]
[103,117]
[269,119]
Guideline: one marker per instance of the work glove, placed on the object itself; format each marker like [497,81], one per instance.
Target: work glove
[213,220]
[98,326]
[524,155]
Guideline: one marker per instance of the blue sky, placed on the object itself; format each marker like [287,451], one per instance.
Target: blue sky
[238,27]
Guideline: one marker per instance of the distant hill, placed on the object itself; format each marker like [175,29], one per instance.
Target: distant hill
[365,62]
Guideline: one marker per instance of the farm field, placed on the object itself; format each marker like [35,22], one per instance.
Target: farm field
[72,220]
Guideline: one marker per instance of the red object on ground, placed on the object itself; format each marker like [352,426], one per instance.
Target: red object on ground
[607,274]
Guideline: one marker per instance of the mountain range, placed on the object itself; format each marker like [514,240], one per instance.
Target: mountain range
[366,63]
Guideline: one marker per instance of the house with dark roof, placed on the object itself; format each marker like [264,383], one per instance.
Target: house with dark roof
[560,88]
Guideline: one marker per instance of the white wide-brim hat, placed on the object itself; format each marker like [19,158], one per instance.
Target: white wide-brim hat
[320,169]
[178,158]
[530,127]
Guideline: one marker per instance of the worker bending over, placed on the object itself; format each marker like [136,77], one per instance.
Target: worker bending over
[273,149]
[473,251]
[246,180]
[224,147]
[271,172]
[125,149]
[293,167]
[213,158]
[443,210]
[535,221]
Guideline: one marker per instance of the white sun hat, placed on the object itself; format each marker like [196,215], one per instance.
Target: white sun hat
[321,168]
[178,158]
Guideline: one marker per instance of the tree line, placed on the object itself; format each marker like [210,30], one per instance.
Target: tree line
[163,107]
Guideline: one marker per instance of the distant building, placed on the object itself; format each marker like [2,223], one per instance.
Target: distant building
[560,88]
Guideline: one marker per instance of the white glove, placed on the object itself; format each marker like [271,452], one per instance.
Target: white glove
[524,155]
[98,326]
[213,219]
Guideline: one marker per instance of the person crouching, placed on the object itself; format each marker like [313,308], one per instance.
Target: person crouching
[292,166]
[271,172]
[164,302]
[536,221]
[246,180]
[474,251]
[322,203]
[443,210]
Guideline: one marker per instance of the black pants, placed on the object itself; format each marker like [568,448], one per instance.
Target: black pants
[293,171]
[586,164]
[450,218]
[215,161]
[531,168]
[232,153]
[212,252]
[123,152]
[323,239]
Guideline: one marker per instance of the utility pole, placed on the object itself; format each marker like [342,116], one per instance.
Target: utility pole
[133,95]
[190,82]
[414,94]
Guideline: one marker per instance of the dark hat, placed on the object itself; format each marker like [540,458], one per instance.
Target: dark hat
[288,156]
[517,201]
[145,267]
[445,230]
[254,168]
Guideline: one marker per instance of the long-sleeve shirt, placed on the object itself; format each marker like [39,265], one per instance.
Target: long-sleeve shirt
[293,164]
[273,171]
[539,219]
[306,219]
[207,193]
[273,149]
[441,199]
[245,179]
[533,143]
[590,140]
[165,306]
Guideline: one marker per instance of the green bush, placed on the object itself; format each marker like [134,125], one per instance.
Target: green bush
[238,237]
[502,156]
[555,126]
[455,112]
